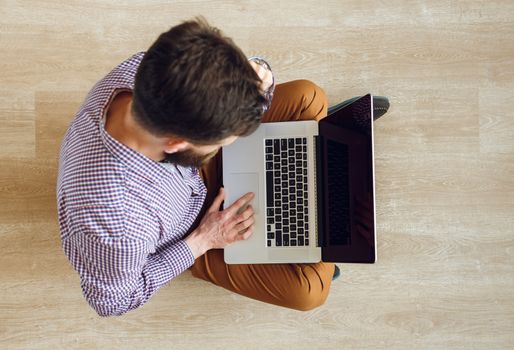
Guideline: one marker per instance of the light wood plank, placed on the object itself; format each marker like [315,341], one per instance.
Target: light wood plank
[444,166]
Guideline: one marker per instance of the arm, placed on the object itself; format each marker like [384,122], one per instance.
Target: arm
[263,70]
[119,273]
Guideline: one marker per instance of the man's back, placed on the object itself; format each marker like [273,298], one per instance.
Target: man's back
[118,208]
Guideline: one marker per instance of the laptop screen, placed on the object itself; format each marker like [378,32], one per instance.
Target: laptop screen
[346,203]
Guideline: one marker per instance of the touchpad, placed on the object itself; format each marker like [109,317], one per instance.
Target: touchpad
[237,185]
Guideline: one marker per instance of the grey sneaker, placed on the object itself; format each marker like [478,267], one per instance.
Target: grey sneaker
[337,273]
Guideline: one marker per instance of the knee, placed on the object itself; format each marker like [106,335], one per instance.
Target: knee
[308,301]
[313,99]
[313,289]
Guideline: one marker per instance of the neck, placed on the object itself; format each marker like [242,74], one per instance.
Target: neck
[122,126]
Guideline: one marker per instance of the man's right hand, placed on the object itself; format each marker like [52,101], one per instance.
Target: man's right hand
[221,228]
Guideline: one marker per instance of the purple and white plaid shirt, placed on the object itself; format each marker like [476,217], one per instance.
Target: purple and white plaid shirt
[122,216]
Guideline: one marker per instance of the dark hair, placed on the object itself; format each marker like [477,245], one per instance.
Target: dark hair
[195,83]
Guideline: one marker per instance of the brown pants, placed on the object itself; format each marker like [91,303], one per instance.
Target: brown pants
[296,286]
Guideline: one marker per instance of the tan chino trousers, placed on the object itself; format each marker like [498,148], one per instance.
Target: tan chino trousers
[297,286]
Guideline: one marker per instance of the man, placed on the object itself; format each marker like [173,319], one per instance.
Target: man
[139,189]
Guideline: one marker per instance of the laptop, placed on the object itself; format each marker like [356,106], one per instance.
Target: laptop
[314,189]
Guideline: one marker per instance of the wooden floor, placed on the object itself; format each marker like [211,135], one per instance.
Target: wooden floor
[444,169]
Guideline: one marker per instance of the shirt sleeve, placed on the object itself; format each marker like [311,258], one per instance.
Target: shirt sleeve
[118,272]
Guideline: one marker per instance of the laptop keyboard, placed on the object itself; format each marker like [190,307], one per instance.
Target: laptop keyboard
[287,213]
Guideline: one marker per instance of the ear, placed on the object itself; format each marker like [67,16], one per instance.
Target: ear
[175,145]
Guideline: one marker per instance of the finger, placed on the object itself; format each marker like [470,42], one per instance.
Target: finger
[247,233]
[244,214]
[243,225]
[215,206]
[234,208]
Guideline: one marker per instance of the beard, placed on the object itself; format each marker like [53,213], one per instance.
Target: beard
[189,158]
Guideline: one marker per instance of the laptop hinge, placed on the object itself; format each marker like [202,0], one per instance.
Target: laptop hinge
[320,191]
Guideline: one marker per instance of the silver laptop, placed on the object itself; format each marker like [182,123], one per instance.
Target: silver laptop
[314,189]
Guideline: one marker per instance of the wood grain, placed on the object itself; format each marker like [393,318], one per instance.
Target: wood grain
[444,168]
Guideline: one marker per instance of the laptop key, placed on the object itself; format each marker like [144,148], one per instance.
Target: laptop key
[276,146]
[300,241]
[293,243]
[269,243]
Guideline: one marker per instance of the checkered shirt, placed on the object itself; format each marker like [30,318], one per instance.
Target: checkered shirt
[122,216]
